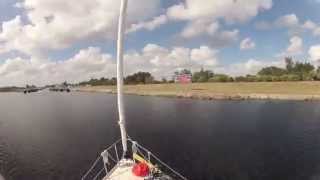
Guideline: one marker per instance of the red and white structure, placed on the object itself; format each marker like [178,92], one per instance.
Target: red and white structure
[183,78]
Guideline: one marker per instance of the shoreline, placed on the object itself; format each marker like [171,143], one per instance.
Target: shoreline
[199,92]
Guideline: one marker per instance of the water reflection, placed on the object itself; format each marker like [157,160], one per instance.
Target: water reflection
[56,136]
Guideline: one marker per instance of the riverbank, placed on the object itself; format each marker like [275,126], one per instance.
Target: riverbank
[11,89]
[222,91]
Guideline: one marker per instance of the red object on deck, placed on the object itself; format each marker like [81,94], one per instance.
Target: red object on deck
[141,170]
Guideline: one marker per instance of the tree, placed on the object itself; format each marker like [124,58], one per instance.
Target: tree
[272,71]
[221,78]
[164,80]
[139,78]
[316,75]
[289,64]
[202,76]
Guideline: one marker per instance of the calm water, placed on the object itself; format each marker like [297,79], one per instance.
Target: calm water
[57,136]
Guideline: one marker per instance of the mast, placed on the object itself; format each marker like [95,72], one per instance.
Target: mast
[121,30]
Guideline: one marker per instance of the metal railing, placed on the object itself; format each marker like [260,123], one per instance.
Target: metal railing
[109,158]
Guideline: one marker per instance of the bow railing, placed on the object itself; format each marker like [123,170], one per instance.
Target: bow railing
[111,156]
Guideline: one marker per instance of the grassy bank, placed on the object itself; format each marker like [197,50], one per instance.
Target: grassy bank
[237,91]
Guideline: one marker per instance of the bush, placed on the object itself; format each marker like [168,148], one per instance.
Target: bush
[202,79]
[265,78]
[221,78]
[252,78]
[290,77]
[240,79]
[308,77]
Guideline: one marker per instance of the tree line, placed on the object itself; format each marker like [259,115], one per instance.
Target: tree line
[293,71]
[136,78]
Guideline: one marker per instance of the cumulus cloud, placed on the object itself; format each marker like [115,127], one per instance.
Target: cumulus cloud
[230,10]
[92,63]
[292,23]
[203,17]
[149,25]
[247,44]
[59,24]
[290,20]
[161,61]
[216,37]
[251,66]
[314,53]
[295,47]
[200,27]
[87,63]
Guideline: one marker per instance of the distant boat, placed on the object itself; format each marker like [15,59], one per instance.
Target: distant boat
[119,162]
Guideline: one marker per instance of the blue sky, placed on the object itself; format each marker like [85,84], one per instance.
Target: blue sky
[226,37]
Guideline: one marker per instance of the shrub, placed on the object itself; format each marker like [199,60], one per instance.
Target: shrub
[221,78]
[290,77]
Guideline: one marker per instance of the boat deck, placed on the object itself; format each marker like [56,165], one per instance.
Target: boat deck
[122,171]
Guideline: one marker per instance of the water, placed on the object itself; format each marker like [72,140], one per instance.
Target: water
[56,136]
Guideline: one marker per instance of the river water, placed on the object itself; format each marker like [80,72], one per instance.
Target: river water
[56,136]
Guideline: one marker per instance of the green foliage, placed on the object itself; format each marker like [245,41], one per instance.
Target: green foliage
[290,77]
[100,82]
[294,71]
[289,64]
[139,78]
[221,78]
[272,71]
[251,78]
[316,74]
[202,76]
[240,79]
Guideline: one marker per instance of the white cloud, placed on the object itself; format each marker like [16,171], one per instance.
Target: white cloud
[92,63]
[149,25]
[215,36]
[290,20]
[200,27]
[203,17]
[87,63]
[247,44]
[162,62]
[314,53]
[251,66]
[230,10]
[295,47]
[204,56]
[59,24]
[309,25]
[292,23]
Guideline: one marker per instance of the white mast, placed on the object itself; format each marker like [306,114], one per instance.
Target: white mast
[121,30]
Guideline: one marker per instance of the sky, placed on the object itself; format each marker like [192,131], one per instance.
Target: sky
[52,41]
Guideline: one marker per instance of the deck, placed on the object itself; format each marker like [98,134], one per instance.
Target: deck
[122,171]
